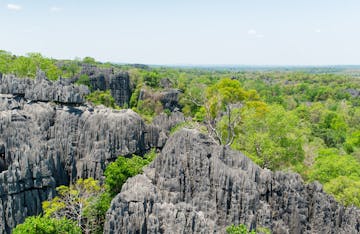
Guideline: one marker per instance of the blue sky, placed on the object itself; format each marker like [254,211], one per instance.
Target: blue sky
[242,32]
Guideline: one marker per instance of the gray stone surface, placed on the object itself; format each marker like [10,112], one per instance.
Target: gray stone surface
[168,121]
[47,144]
[169,98]
[41,89]
[106,79]
[119,86]
[196,186]
[353,92]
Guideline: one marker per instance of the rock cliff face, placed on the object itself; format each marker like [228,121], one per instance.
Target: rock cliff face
[48,136]
[41,89]
[169,98]
[104,79]
[196,186]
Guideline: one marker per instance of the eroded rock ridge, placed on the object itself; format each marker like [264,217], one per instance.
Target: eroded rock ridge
[196,186]
[49,136]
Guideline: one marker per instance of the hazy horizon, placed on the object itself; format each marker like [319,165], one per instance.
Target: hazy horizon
[187,33]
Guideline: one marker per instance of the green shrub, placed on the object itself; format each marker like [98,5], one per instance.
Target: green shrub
[84,80]
[239,229]
[46,225]
[102,98]
[118,172]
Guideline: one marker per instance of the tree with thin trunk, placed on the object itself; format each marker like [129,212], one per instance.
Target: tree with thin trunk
[223,103]
[73,203]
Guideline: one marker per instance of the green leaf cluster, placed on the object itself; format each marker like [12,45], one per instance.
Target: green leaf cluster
[77,203]
[102,98]
[116,173]
[27,66]
[239,229]
[46,225]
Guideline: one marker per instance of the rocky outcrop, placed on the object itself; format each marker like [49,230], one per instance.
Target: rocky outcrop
[159,129]
[106,79]
[41,89]
[120,88]
[197,186]
[167,121]
[47,144]
[166,83]
[353,92]
[169,98]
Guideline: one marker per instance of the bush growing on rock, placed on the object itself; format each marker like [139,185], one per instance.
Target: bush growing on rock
[46,225]
[239,229]
[102,98]
[123,168]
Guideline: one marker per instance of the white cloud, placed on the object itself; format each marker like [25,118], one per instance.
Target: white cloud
[252,32]
[317,30]
[55,9]
[14,7]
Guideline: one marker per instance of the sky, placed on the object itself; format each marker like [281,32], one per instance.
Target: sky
[186,32]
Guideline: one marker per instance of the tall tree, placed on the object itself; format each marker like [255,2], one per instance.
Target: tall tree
[223,103]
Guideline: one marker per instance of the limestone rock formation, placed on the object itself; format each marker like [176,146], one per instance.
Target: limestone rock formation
[47,141]
[166,83]
[166,122]
[169,98]
[196,186]
[41,89]
[103,79]
[159,130]
[353,92]
[120,88]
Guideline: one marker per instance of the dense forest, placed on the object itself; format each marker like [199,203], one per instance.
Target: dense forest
[284,120]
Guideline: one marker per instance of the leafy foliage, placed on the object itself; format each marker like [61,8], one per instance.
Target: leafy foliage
[27,66]
[70,68]
[345,189]
[118,172]
[340,175]
[46,225]
[223,103]
[102,98]
[273,139]
[329,165]
[89,60]
[84,80]
[239,229]
[152,79]
[76,202]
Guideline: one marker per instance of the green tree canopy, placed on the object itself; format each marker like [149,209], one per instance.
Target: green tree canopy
[273,139]
[222,105]
[329,165]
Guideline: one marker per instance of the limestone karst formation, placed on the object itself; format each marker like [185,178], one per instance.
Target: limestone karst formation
[49,136]
[197,186]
